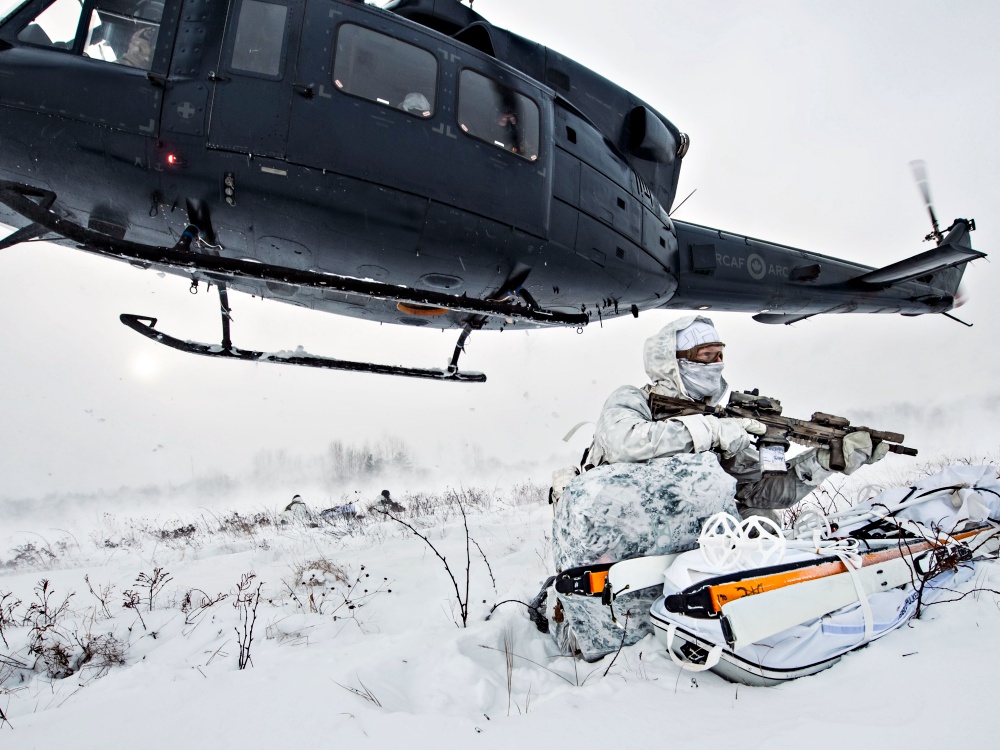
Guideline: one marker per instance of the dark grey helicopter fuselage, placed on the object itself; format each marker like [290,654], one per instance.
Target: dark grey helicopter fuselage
[253,122]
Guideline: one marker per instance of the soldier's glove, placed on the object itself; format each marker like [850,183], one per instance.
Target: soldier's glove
[728,435]
[858,451]
[735,434]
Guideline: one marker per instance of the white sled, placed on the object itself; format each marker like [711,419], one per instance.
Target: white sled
[809,647]
[695,653]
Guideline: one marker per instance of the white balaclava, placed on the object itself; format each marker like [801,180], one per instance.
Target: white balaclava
[700,379]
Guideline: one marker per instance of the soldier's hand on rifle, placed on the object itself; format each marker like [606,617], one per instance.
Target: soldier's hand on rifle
[735,434]
[858,451]
[729,434]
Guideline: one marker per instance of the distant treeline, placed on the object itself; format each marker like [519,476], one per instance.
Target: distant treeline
[341,462]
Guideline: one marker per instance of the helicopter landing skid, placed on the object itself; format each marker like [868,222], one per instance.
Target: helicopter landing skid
[147,327]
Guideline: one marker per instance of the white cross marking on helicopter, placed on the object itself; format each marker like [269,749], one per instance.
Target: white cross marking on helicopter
[185,110]
[449,56]
[322,92]
[148,128]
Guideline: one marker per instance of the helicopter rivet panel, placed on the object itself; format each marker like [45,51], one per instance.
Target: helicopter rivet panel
[184,108]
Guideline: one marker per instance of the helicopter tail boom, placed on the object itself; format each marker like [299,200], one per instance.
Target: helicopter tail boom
[954,251]
[782,284]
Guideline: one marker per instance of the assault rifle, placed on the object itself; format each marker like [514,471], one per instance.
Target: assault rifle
[822,430]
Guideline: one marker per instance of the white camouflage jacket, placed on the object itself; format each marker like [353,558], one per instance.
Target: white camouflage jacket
[626,432]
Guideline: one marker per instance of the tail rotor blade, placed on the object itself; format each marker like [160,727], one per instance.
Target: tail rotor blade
[919,168]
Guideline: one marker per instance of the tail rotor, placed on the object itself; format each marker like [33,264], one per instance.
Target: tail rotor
[919,168]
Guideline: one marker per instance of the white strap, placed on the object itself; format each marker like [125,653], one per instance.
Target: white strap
[714,654]
[853,563]
[569,435]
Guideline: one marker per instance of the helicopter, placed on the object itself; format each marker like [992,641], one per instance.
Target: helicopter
[409,164]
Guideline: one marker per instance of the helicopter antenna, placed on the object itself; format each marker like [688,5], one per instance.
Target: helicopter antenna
[682,202]
[919,168]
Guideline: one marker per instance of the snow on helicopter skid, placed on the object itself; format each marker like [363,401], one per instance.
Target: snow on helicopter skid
[409,164]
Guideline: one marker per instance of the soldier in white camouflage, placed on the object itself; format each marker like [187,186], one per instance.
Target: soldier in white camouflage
[650,485]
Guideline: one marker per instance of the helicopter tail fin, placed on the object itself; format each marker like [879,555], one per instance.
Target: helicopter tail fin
[941,267]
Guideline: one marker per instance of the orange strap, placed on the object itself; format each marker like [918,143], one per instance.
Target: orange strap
[597,581]
[726,592]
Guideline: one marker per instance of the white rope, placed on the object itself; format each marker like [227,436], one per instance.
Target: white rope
[860,515]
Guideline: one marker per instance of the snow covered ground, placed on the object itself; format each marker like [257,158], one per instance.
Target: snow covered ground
[357,641]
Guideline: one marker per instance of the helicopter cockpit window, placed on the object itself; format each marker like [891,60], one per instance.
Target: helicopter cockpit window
[382,69]
[55,26]
[124,32]
[260,36]
[7,8]
[497,115]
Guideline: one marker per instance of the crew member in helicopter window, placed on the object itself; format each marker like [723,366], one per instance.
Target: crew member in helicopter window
[417,104]
[513,133]
[140,49]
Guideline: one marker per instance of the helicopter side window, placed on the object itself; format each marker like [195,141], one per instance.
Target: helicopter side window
[124,32]
[55,26]
[385,70]
[498,115]
[260,37]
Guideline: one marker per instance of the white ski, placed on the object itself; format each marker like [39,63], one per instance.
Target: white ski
[639,573]
[752,618]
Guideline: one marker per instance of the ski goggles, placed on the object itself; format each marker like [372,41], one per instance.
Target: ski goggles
[704,354]
[507,119]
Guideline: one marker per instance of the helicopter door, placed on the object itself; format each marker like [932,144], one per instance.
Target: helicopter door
[87,61]
[252,87]
[388,103]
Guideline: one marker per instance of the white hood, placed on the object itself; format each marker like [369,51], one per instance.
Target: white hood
[660,359]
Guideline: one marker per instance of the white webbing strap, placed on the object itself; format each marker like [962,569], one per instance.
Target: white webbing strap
[569,435]
[853,562]
[714,654]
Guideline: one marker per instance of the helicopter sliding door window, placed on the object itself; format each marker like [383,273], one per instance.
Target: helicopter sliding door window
[498,115]
[55,26]
[124,32]
[260,38]
[383,69]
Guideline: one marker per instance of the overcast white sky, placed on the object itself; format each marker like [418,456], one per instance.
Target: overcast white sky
[803,119]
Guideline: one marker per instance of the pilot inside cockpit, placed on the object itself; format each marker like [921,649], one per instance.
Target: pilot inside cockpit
[124,33]
[140,49]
